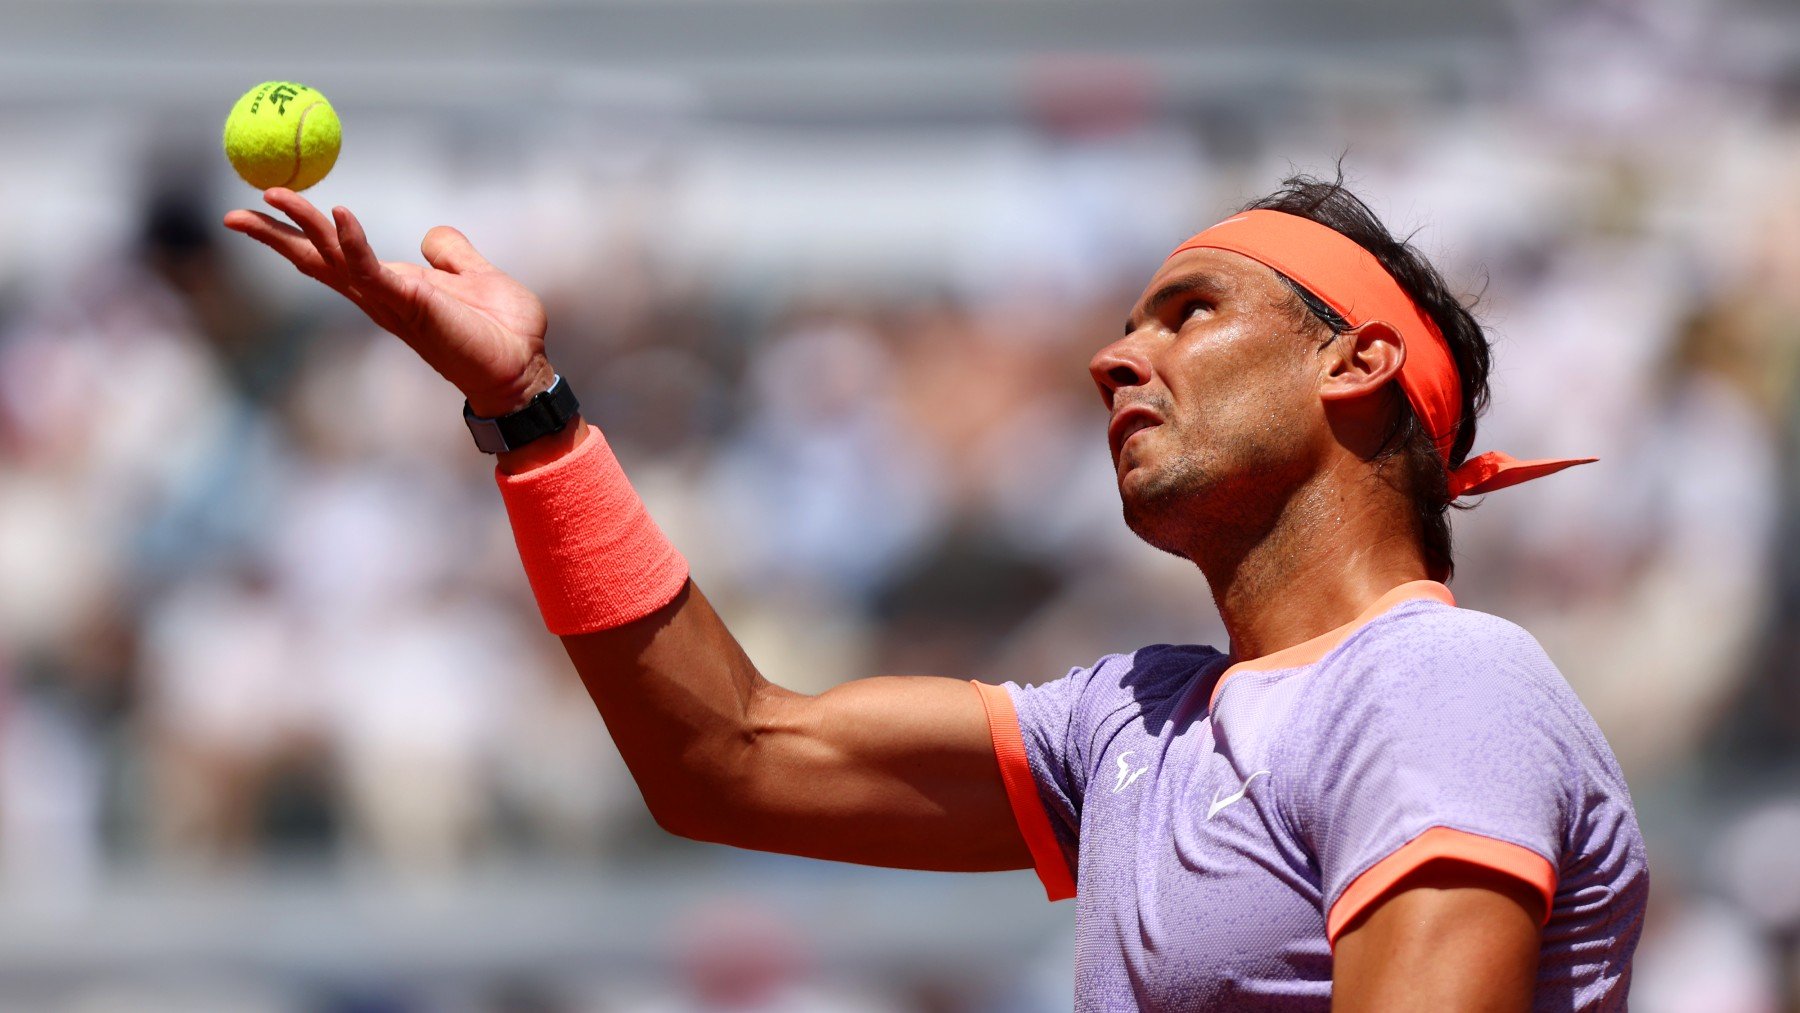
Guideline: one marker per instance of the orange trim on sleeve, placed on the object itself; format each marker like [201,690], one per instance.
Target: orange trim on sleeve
[1021,791]
[1440,842]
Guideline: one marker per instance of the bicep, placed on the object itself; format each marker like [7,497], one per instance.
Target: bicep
[896,771]
[1449,936]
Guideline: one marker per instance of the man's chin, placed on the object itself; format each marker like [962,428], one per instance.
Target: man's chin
[1163,506]
[1154,522]
[1158,533]
[1143,489]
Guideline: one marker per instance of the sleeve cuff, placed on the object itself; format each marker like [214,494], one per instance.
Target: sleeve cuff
[1440,842]
[1021,791]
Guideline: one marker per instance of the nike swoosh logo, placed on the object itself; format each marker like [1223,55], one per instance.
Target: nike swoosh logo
[1220,803]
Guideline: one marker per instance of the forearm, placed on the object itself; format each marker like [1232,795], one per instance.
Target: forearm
[673,686]
[676,692]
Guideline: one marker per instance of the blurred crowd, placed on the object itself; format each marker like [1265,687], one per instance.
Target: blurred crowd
[262,607]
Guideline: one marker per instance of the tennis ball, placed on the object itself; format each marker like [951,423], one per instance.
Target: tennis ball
[282,133]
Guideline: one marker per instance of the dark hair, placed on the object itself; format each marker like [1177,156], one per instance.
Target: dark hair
[1422,472]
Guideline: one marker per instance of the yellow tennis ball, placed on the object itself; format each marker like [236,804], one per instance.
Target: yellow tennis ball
[282,133]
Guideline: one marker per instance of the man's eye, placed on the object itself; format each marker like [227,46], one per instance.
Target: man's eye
[1193,306]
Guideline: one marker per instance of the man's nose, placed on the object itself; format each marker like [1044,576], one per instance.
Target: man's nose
[1124,363]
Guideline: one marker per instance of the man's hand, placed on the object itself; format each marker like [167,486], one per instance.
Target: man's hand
[480,329]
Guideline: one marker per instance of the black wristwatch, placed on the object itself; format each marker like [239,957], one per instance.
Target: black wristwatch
[543,415]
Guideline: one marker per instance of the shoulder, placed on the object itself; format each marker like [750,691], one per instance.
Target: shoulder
[1430,649]
[1119,686]
[1148,686]
[1149,666]
[1067,720]
[1442,632]
[1156,671]
[1451,680]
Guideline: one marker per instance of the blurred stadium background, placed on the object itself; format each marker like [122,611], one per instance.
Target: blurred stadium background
[279,729]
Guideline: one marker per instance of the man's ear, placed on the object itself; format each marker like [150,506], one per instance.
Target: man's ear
[1360,361]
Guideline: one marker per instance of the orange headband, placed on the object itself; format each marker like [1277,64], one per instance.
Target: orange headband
[1351,281]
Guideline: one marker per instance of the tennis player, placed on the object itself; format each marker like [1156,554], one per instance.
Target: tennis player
[1373,800]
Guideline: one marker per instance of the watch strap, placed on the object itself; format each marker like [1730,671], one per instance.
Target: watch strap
[546,413]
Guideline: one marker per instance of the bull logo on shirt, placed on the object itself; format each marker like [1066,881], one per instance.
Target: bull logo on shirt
[1126,774]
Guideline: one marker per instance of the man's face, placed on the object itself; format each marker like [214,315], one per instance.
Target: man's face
[1213,393]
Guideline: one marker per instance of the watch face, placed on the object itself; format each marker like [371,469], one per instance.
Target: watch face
[546,413]
[488,438]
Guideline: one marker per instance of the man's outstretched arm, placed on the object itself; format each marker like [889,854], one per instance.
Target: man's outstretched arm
[893,771]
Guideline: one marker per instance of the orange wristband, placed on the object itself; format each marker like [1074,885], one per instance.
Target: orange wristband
[594,557]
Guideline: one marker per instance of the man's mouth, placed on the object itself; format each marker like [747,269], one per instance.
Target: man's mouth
[1128,422]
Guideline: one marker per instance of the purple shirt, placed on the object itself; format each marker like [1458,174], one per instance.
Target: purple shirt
[1223,831]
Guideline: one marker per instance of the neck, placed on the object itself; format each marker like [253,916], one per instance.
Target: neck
[1335,545]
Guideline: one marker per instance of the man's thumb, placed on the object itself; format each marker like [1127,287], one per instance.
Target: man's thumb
[449,250]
